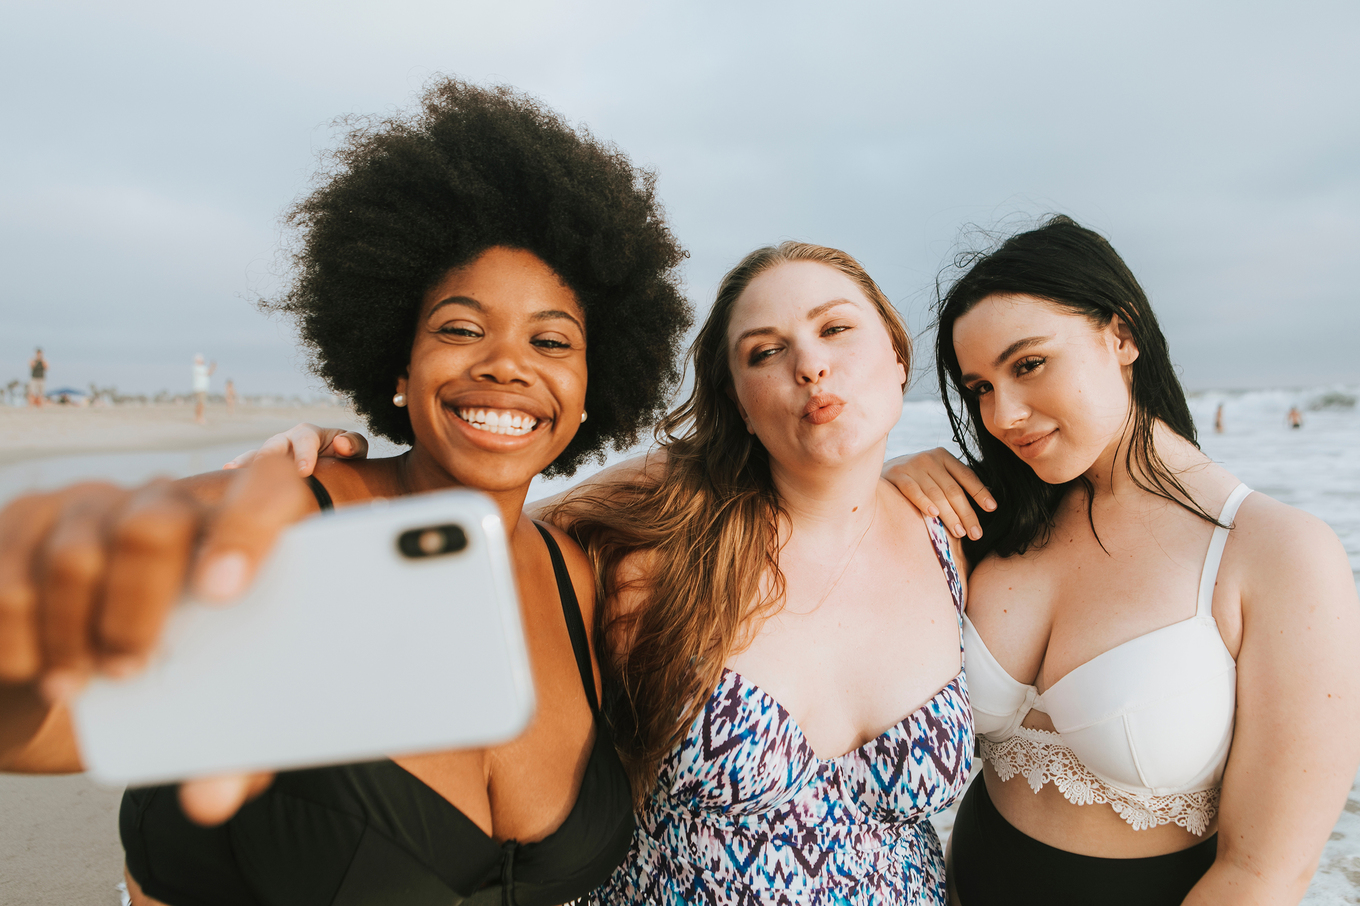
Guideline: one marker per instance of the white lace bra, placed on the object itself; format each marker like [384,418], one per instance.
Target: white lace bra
[1144,727]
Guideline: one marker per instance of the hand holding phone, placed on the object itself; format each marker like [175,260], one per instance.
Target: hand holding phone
[380,629]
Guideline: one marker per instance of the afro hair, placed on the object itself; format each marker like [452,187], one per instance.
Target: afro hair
[410,198]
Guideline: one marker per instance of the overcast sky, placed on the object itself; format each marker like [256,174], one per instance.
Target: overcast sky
[149,148]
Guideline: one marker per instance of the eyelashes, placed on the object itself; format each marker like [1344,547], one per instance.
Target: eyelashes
[1025,366]
[760,354]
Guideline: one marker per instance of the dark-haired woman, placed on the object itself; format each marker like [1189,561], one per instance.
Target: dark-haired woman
[460,275]
[1161,661]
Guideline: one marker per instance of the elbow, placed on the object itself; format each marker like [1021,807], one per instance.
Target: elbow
[1241,877]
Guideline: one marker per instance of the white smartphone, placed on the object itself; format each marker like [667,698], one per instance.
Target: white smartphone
[383,629]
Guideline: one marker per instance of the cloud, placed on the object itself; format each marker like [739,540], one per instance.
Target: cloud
[1214,144]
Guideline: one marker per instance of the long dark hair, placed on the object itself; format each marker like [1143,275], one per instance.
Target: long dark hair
[1064,263]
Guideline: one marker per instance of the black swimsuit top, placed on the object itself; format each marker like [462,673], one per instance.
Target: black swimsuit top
[375,835]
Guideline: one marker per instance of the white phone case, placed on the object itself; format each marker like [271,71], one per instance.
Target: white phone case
[344,649]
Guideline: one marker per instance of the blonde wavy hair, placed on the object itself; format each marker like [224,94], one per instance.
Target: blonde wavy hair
[707,527]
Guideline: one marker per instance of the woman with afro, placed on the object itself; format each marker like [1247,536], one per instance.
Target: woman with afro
[497,290]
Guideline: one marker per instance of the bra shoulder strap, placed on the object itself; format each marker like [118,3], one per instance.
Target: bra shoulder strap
[571,610]
[1208,577]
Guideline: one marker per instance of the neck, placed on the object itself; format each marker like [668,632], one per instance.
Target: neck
[416,472]
[1111,477]
[830,498]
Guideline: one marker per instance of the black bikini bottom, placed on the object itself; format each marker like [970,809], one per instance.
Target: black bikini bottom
[994,863]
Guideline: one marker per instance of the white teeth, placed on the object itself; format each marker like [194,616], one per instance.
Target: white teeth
[498,422]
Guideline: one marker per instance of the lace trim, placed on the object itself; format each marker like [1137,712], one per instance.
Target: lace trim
[1041,757]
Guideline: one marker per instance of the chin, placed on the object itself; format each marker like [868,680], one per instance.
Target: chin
[1059,472]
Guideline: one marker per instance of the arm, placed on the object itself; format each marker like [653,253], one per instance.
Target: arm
[629,471]
[1296,746]
[88,575]
[305,443]
[937,483]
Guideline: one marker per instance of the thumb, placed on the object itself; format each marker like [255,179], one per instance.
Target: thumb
[212,800]
[261,502]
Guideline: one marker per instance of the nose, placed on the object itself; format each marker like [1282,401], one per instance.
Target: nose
[810,365]
[503,362]
[1008,410]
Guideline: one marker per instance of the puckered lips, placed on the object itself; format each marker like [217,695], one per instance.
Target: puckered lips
[1034,443]
[498,422]
[823,408]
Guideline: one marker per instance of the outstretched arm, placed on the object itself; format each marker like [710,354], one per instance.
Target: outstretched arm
[306,443]
[88,576]
[1296,745]
[630,471]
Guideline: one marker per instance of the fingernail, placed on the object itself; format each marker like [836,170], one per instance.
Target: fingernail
[303,465]
[989,504]
[975,533]
[59,686]
[121,666]
[224,577]
[958,530]
[935,511]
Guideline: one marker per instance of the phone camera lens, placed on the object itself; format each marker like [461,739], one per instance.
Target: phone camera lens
[432,541]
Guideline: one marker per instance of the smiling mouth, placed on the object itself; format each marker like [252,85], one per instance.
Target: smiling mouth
[498,421]
[1029,445]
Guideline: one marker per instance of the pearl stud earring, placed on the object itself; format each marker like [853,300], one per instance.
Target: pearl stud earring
[583,416]
[399,400]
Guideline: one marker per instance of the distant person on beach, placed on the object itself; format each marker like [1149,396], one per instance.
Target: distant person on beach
[202,371]
[1294,417]
[37,381]
[230,392]
[1218,420]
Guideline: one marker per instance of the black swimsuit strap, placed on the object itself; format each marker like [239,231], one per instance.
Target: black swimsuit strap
[323,496]
[571,610]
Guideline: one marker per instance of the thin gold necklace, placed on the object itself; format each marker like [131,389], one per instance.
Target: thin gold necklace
[845,564]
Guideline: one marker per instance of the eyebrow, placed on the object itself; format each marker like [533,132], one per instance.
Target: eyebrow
[1017,346]
[766,331]
[550,314]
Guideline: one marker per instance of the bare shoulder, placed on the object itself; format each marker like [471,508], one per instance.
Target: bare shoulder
[353,481]
[1287,560]
[907,517]
[581,571]
[1270,535]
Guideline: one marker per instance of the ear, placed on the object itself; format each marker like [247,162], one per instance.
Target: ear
[741,410]
[401,385]
[1125,346]
[902,374]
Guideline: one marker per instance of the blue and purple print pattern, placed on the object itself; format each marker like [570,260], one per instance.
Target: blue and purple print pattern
[745,813]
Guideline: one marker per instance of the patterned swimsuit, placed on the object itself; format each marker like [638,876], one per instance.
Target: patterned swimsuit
[744,811]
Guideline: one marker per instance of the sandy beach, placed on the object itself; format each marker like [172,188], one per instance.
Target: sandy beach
[58,835]
[27,434]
